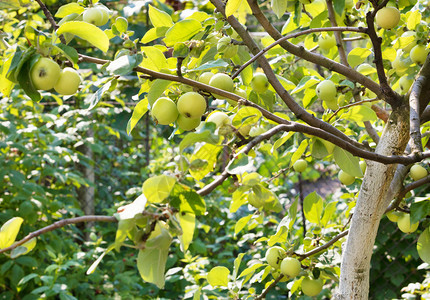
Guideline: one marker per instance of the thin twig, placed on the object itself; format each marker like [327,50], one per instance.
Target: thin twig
[323,247]
[350,105]
[272,285]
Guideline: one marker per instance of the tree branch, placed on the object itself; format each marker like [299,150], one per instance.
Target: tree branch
[50,19]
[411,186]
[414,114]
[337,34]
[60,224]
[323,247]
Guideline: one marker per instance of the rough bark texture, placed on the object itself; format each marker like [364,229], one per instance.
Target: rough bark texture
[371,204]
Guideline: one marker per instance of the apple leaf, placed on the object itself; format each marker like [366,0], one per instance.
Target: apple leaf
[232,6]
[423,245]
[97,96]
[86,31]
[280,236]
[290,218]
[299,152]
[218,276]
[279,142]
[313,207]
[239,198]
[6,85]
[158,188]
[318,149]
[69,52]
[153,34]
[94,265]
[157,89]
[358,55]
[139,110]
[154,59]
[414,19]
[159,18]
[187,200]
[188,224]
[182,31]
[306,83]
[241,223]
[243,163]
[329,211]
[360,113]
[124,226]
[347,162]
[279,7]
[26,84]
[23,249]
[195,137]
[237,262]
[69,9]
[151,264]
[419,210]
[339,6]
[9,231]
[246,116]
[124,64]
[219,63]
[207,153]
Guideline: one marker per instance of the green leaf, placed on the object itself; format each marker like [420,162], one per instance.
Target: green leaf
[280,236]
[124,64]
[219,63]
[86,31]
[27,278]
[339,6]
[187,200]
[239,198]
[241,224]
[182,31]
[329,211]
[124,227]
[158,188]
[195,137]
[20,58]
[419,210]
[360,113]
[243,163]
[69,9]
[246,116]
[306,83]
[232,6]
[139,110]
[347,162]
[97,96]
[218,276]
[414,19]
[154,59]
[237,262]
[423,245]
[157,89]
[9,231]
[121,24]
[279,7]
[26,83]
[24,248]
[279,142]
[6,85]
[299,152]
[188,224]
[313,207]
[153,34]
[318,149]
[151,264]
[69,52]
[358,55]
[159,18]
[207,153]
[290,218]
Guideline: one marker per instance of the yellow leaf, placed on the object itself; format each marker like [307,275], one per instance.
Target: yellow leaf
[86,31]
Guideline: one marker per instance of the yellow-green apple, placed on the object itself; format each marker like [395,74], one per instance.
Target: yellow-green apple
[205,77]
[405,84]
[259,83]
[274,256]
[219,118]
[393,215]
[191,105]
[45,73]
[164,111]
[300,165]
[290,267]
[404,224]
[222,81]
[326,90]
[345,178]
[68,82]
[312,287]
[326,42]
[417,172]
[186,124]
[94,16]
[387,17]
[408,46]
[419,54]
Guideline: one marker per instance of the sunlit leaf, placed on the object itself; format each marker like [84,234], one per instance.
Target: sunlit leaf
[159,18]
[24,248]
[151,264]
[158,188]
[182,31]
[347,162]
[97,96]
[86,31]
[241,224]
[360,113]
[232,6]
[139,110]
[188,224]
[358,55]
[313,208]
[218,276]
[423,245]
[69,9]
[9,231]
[279,7]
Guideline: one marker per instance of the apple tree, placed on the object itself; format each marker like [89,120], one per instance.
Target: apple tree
[253,93]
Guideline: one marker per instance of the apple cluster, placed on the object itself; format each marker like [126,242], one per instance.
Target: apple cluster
[291,267]
[187,112]
[403,221]
[46,74]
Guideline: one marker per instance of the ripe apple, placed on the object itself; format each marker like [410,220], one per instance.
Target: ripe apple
[327,42]
[387,17]
[404,224]
[45,73]
[326,90]
[219,118]
[300,165]
[94,16]
[191,105]
[105,13]
[417,172]
[259,83]
[187,124]
[393,215]
[164,111]
[290,267]
[312,287]
[405,84]
[419,54]
[345,178]
[223,82]
[274,256]
[205,77]
[68,82]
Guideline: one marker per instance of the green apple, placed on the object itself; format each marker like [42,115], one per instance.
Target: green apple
[219,118]
[45,73]
[205,77]
[300,165]
[94,16]
[222,81]
[105,13]
[326,90]
[345,178]
[326,42]
[400,64]
[405,84]
[408,47]
[230,51]
[274,256]
[419,54]
[187,124]
[417,172]
[223,43]
[404,224]
[306,1]
[290,267]
[363,166]
[241,93]
[164,111]
[387,17]
[393,215]
[259,83]
[244,130]
[312,287]
[191,105]
[68,82]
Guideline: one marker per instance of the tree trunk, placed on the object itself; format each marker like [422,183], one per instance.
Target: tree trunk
[371,204]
